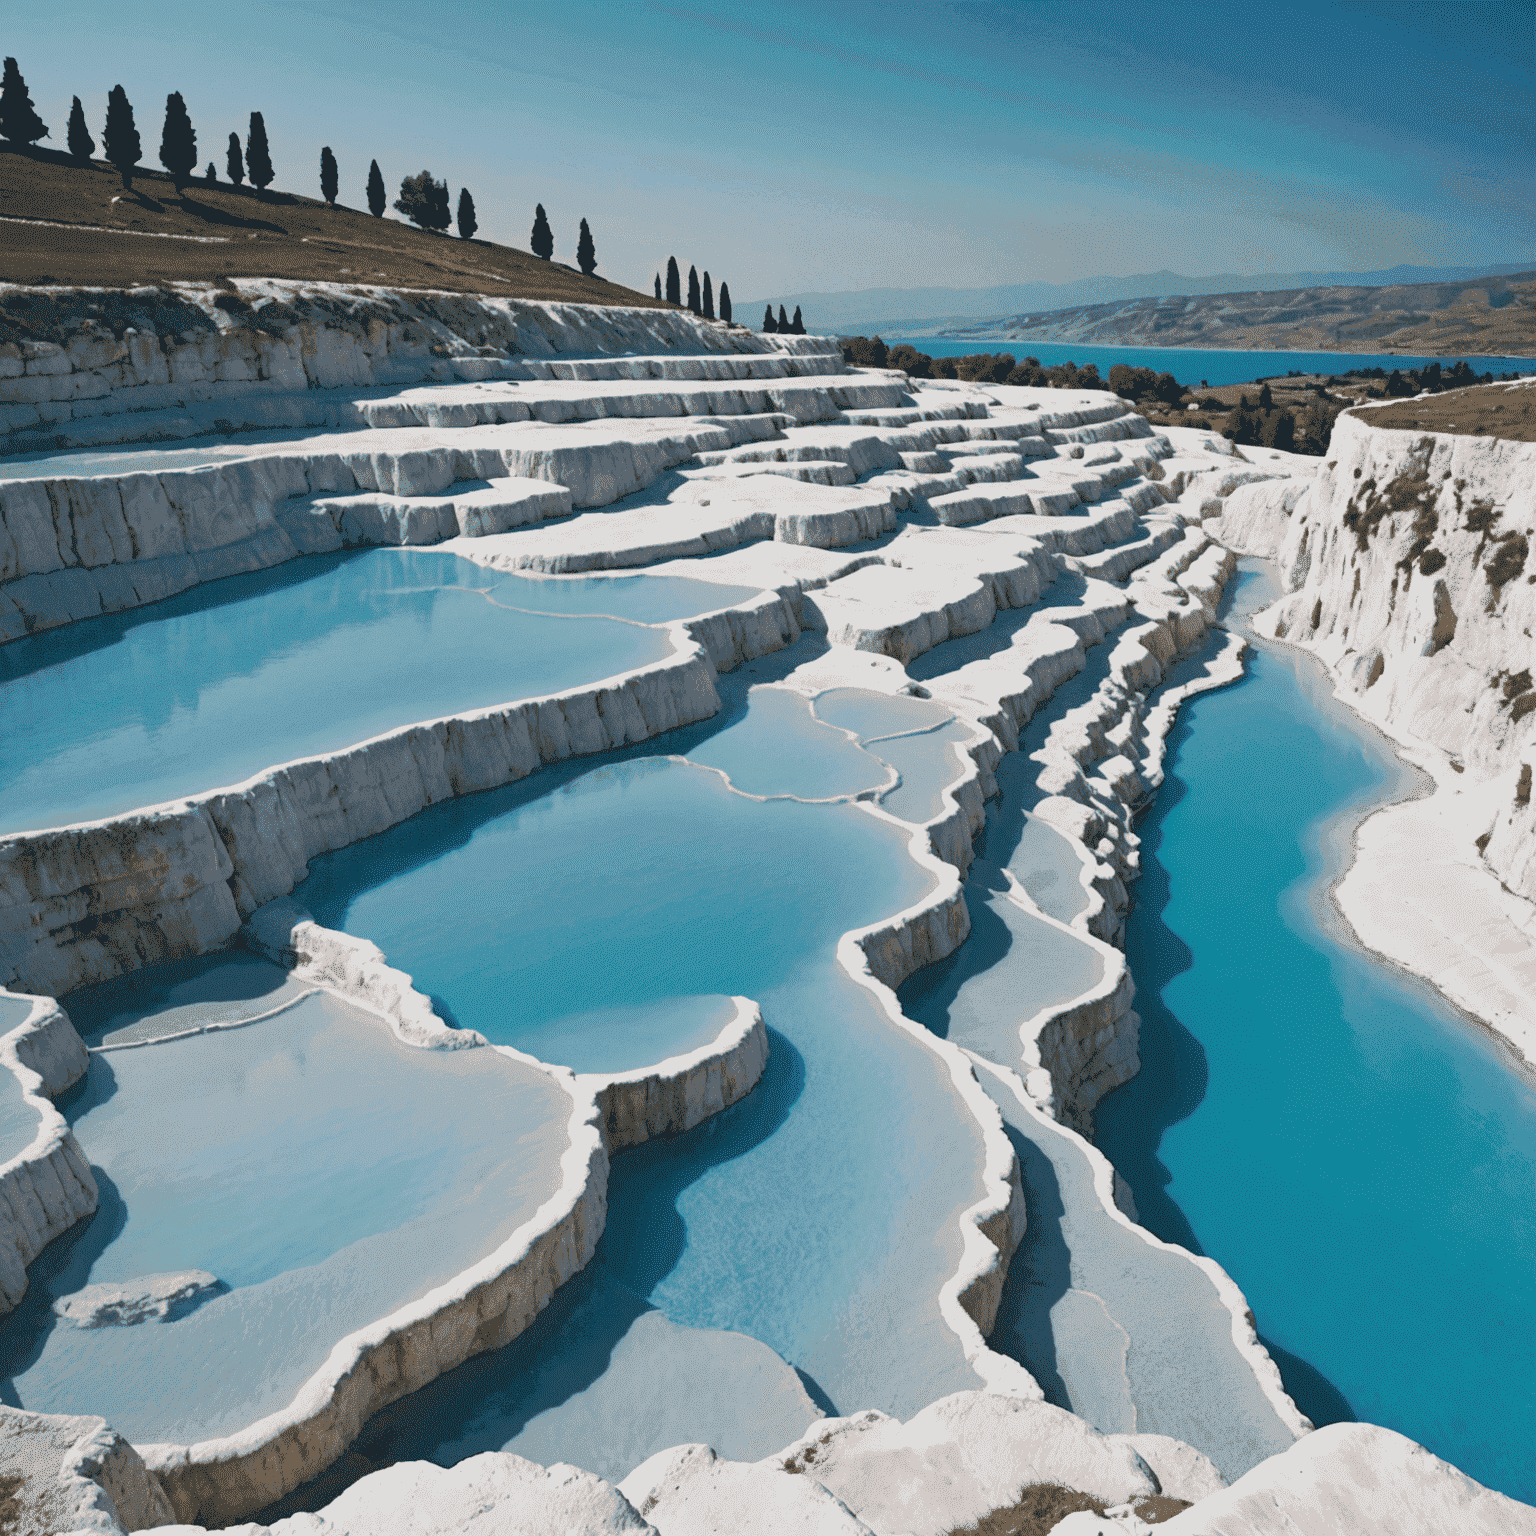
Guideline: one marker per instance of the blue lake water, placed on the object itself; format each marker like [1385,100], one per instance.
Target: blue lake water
[1193,365]
[324,1172]
[1357,1156]
[817,1215]
[207,688]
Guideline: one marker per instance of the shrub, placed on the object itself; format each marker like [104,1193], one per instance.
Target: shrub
[864,351]
[424,201]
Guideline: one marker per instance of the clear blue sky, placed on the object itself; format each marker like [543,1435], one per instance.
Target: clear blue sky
[825,146]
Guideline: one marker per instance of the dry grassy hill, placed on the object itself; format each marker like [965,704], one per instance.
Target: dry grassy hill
[65,223]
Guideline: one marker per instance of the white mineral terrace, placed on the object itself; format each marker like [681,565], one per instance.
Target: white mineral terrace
[906,651]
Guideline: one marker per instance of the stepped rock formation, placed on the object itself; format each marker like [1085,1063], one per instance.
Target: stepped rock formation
[1035,563]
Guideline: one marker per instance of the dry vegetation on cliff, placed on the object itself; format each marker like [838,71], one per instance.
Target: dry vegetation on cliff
[1489,410]
[70,224]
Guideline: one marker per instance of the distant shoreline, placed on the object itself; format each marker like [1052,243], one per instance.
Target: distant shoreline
[1173,346]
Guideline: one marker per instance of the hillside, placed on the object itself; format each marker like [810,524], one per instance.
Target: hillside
[1486,316]
[65,223]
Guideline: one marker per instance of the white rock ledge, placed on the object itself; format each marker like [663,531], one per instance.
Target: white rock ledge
[682,1091]
[46,1188]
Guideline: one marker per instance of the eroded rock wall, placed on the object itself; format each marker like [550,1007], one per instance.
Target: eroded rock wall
[1407,567]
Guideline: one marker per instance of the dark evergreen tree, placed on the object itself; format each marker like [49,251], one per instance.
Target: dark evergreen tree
[586,250]
[1266,400]
[658,285]
[19,122]
[258,158]
[542,242]
[693,289]
[783,324]
[424,201]
[235,165]
[725,302]
[329,181]
[768,321]
[709,299]
[178,141]
[377,197]
[81,145]
[674,282]
[467,223]
[120,141]
[797,327]
[211,176]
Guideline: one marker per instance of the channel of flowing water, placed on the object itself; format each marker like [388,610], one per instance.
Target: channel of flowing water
[1354,1152]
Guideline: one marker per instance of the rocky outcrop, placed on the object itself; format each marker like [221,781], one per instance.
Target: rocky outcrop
[48,1185]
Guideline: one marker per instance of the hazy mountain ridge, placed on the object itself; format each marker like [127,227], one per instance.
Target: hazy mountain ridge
[915,311]
[1487,315]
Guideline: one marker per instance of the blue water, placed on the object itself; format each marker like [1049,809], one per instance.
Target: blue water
[207,688]
[130,460]
[1194,366]
[325,1173]
[1358,1157]
[820,1213]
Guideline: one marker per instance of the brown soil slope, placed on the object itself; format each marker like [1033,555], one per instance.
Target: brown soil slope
[115,239]
[1487,317]
[1489,410]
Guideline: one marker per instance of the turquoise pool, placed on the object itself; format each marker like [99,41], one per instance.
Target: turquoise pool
[210,687]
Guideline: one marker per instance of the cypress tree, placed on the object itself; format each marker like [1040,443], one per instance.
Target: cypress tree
[235,165]
[709,299]
[442,215]
[658,285]
[586,251]
[120,141]
[376,193]
[178,141]
[674,282]
[81,145]
[328,177]
[783,320]
[211,176]
[467,223]
[258,158]
[693,289]
[797,325]
[768,323]
[543,242]
[725,302]
[19,122]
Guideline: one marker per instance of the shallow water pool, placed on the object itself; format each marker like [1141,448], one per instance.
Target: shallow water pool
[210,687]
[325,1173]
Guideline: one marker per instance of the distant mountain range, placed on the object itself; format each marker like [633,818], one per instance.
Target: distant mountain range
[1482,316]
[928,311]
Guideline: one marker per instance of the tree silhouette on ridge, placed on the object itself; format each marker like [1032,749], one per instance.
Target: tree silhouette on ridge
[674,282]
[120,139]
[81,145]
[178,141]
[258,158]
[235,164]
[377,197]
[542,241]
[467,222]
[19,122]
[586,251]
[725,302]
[329,180]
